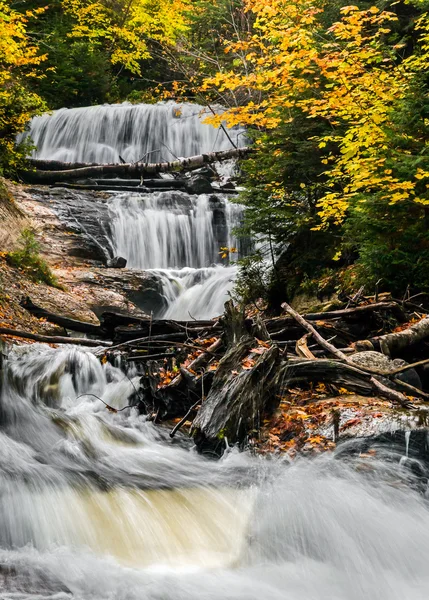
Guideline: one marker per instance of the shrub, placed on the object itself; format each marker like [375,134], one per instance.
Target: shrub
[28,259]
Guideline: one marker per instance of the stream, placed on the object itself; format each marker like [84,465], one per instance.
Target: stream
[102,505]
[97,505]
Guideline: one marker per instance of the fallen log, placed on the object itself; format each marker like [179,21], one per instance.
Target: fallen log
[124,334]
[119,184]
[165,338]
[394,343]
[117,325]
[279,323]
[66,322]
[53,339]
[130,169]
[295,372]
[58,165]
[356,311]
[146,357]
[149,341]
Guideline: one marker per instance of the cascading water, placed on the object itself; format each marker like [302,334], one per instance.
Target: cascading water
[179,237]
[96,505]
[176,235]
[133,132]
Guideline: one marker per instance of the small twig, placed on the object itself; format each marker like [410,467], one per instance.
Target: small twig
[376,289]
[146,155]
[420,363]
[355,299]
[164,343]
[150,357]
[184,419]
[410,388]
[407,293]
[391,394]
[111,408]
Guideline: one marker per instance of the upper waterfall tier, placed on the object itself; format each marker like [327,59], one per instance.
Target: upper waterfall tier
[109,133]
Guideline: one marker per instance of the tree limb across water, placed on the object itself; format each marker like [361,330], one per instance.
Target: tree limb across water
[43,172]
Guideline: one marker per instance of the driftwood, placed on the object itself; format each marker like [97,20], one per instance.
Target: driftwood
[53,339]
[129,169]
[379,387]
[302,348]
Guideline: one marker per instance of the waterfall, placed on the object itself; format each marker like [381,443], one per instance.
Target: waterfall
[148,132]
[96,505]
[178,236]
[172,229]
[175,235]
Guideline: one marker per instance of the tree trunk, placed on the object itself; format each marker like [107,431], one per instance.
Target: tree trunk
[238,396]
[237,400]
[130,169]
[393,343]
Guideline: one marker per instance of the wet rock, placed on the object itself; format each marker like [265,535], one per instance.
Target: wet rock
[198,184]
[228,186]
[141,288]
[19,579]
[410,448]
[84,215]
[377,360]
[118,262]
[373,360]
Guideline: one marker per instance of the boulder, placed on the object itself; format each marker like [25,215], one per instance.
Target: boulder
[198,184]
[117,262]
[377,360]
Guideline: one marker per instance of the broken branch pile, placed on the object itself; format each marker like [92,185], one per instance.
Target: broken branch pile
[222,376]
[236,371]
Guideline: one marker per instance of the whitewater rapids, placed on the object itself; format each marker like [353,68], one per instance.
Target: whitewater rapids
[97,505]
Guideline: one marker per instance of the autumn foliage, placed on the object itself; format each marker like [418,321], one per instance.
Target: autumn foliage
[19,61]
[334,98]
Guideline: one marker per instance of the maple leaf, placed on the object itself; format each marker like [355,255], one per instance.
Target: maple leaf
[247,363]
[258,350]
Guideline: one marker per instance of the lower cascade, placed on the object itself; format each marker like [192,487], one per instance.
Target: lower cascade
[99,505]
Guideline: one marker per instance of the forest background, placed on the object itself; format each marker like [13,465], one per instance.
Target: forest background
[334,98]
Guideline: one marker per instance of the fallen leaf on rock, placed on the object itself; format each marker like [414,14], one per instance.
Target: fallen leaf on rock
[350,423]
